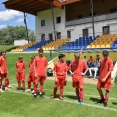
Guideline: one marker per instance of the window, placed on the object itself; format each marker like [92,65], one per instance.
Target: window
[68,34]
[85,32]
[113,10]
[106,30]
[93,14]
[58,20]
[79,16]
[42,22]
[43,37]
[50,37]
[59,35]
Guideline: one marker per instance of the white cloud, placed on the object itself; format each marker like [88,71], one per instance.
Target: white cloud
[3,26]
[9,14]
[20,20]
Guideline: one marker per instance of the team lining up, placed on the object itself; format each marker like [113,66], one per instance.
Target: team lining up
[38,74]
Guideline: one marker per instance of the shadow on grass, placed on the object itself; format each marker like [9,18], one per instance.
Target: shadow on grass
[70,96]
[94,99]
[114,103]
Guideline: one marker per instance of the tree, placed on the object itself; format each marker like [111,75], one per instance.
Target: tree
[11,33]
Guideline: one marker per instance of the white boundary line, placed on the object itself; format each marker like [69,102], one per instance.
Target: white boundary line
[111,98]
[73,102]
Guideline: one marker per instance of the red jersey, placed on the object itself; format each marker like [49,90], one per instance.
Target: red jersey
[60,68]
[3,64]
[91,60]
[78,66]
[20,66]
[106,65]
[31,67]
[40,64]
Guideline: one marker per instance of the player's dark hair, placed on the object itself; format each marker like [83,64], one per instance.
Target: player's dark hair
[105,53]
[20,57]
[61,56]
[32,57]
[2,51]
[40,50]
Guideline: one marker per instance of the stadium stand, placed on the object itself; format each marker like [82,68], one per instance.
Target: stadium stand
[55,44]
[37,45]
[82,42]
[21,48]
[104,41]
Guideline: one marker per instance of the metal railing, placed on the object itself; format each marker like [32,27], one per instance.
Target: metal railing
[97,18]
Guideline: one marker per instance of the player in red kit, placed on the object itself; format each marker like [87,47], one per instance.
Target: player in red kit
[40,69]
[60,71]
[31,76]
[3,71]
[104,80]
[20,74]
[76,69]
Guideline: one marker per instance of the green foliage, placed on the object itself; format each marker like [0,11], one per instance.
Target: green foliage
[11,33]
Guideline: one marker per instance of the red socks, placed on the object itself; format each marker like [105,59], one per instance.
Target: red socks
[41,88]
[102,97]
[19,84]
[81,94]
[106,99]
[23,83]
[0,83]
[35,89]
[29,85]
[77,92]
[61,91]
[55,90]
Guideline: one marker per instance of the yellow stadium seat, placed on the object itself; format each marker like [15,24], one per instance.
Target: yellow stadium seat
[108,46]
[97,46]
[89,46]
[103,46]
[93,46]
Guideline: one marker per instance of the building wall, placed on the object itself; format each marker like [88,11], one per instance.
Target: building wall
[76,30]
[48,28]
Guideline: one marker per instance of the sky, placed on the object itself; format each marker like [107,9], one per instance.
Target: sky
[13,18]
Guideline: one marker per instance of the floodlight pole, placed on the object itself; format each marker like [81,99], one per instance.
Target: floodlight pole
[26,26]
[92,19]
[53,19]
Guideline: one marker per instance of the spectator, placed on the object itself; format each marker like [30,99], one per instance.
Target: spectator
[97,57]
[85,59]
[95,68]
[90,62]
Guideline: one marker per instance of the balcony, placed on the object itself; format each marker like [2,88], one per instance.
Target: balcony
[97,18]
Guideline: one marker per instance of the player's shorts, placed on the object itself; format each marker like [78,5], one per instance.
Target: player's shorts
[40,79]
[77,81]
[5,75]
[31,77]
[105,85]
[61,82]
[20,76]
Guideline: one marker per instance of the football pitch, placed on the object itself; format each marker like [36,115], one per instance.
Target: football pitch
[16,103]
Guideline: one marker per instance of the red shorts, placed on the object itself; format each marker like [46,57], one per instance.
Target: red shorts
[31,77]
[105,85]
[77,81]
[40,79]
[20,76]
[61,82]
[5,75]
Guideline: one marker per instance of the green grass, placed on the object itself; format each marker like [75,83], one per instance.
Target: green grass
[12,58]
[6,47]
[20,104]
